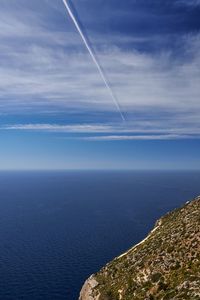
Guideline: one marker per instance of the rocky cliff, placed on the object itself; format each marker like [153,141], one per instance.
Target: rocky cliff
[164,266]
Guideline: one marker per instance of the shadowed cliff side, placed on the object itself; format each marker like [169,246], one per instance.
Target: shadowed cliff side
[164,266]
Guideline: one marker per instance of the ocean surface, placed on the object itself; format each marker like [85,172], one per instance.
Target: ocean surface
[57,228]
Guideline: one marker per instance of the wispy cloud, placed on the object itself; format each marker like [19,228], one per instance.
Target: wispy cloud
[137,130]
[40,75]
[47,68]
[135,137]
[76,128]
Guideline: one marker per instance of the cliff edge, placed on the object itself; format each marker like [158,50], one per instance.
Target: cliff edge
[164,266]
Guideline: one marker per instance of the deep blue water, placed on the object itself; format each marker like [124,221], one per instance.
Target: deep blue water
[56,228]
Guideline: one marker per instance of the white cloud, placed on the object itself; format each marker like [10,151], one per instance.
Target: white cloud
[44,75]
[134,137]
[76,128]
[40,68]
[140,129]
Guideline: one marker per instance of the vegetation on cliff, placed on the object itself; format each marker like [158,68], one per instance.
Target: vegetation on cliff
[166,265]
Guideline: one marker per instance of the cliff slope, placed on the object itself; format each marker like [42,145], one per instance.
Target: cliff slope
[165,265]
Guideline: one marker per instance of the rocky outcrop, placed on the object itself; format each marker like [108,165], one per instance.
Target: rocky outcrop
[164,266]
[88,288]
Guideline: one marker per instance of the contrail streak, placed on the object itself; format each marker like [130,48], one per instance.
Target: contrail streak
[93,58]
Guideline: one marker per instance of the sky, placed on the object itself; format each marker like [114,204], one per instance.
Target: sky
[55,110]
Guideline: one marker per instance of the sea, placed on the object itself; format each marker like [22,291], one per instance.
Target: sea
[59,227]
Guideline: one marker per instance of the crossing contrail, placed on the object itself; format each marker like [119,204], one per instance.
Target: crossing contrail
[93,57]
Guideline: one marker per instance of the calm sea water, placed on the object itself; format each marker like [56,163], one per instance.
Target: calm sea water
[56,228]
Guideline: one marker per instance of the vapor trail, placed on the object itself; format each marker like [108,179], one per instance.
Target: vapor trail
[93,58]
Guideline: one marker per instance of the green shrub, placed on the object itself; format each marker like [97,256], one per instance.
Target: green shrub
[155,277]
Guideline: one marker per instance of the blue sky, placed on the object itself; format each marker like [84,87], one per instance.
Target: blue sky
[55,111]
